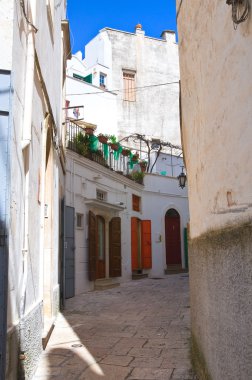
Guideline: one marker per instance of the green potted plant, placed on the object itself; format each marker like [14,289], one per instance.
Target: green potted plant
[138,177]
[143,165]
[80,143]
[113,142]
[135,157]
[125,152]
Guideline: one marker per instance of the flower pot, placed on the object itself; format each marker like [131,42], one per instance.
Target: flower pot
[135,158]
[89,131]
[125,152]
[143,167]
[103,139]
[114,146]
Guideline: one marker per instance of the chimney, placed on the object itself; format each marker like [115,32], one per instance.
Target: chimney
[169,36]
[139,29]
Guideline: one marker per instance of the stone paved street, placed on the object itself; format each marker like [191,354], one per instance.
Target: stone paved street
[139,330]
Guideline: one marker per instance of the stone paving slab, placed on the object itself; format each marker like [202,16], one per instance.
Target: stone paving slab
[138,331]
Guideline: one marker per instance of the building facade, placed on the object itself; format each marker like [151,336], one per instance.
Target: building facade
[138,69]
[35,41]
[216,131]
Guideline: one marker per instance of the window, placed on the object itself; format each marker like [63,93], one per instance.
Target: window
[79,220]
[136,201]
[101,195]
[129,86]
[103,80]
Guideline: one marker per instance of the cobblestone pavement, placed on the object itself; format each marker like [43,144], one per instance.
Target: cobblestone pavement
[139,330]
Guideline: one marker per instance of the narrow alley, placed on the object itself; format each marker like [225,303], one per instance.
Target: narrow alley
[139,330]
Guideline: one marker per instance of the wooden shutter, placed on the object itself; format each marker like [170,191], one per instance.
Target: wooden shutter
[134,244]
[115,258]
[92,247]
[146,244]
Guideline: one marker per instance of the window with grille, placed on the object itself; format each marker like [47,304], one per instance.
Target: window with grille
[136,202]
[129,86]
[79,220]
[103,79]
[101,195]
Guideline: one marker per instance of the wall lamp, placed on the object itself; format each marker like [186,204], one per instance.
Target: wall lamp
[240,10]
[182,178]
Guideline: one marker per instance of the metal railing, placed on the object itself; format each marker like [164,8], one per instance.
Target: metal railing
[79,141]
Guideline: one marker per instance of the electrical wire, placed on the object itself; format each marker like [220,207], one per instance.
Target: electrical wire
[122,90]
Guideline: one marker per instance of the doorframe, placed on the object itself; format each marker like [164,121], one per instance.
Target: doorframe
[101,217]
[165,209]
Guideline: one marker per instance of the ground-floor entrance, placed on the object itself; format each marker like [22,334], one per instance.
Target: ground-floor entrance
[99,263]
[172,238]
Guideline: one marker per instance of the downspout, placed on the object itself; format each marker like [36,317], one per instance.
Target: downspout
[29,81]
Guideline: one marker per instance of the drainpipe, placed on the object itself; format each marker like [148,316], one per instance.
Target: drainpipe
[29,81]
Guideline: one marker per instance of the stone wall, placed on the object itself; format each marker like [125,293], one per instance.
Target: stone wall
[215,67]
[220,292]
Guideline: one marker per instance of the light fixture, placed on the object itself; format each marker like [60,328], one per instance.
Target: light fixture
[182,178]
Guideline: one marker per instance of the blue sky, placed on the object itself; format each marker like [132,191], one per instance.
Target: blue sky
[88,17]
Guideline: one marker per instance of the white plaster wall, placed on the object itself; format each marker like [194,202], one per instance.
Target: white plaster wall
[6,35]
[168,163]
[156,110]
[99,106]
[160,194]
[216,67]
[81,185]
[98,51]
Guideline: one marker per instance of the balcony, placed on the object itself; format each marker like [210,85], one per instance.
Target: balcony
[81,140]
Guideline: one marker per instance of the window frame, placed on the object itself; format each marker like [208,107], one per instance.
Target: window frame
[81,226]
[129,85]
[136,203]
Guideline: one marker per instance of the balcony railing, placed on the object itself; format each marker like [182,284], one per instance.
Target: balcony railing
[88,146]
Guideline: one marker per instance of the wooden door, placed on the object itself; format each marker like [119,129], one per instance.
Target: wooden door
[146,244]
[69,253]
[100,259]
[92,247]
[115,259]
[135,244]
[172,236]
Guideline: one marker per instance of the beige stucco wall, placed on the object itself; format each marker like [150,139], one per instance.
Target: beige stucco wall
[216,71]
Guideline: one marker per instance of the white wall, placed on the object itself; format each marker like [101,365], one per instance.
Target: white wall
[99,106]
[160,194]
[29,108]
[81,185]
[157,196]
[156,110]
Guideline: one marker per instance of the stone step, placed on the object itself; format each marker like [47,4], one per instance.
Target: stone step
[105,283]
[175,269]
[139,276]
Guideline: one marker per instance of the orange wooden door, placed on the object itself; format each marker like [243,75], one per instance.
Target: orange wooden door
[146,244]
[134,244]
[115,260]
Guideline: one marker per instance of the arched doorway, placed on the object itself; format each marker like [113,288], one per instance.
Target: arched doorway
[172,237]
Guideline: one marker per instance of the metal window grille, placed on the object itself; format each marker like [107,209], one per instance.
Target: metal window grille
[79,220]
[101,195]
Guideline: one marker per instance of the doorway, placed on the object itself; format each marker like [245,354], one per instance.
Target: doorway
[172,237]
[100,262]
